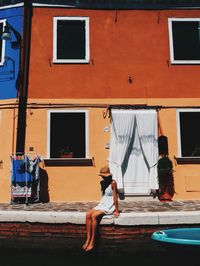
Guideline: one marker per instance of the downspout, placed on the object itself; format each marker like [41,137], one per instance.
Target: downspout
[23,77]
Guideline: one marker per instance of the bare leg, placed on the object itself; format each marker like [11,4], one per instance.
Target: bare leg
[88,227]
[96,218]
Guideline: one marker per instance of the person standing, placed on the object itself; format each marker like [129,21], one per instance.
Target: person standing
[108,205]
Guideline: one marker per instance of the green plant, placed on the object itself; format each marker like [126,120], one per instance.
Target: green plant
[165,178]
[165,166]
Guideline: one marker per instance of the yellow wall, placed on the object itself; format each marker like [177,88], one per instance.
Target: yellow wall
[72,183]
[81,183]
[8,121]
[186,176]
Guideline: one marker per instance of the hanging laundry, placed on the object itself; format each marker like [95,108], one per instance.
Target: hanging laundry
[25,177]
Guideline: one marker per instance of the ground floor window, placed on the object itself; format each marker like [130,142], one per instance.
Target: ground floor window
[67,134]
[188,132]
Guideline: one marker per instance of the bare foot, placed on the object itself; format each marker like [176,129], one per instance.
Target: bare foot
[89,247]
[85,245]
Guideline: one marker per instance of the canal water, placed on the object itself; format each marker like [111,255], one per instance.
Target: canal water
[10,257]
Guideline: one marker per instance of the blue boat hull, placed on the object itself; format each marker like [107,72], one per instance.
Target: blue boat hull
[188,238]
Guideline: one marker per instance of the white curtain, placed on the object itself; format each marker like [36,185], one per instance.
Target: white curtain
[147,125]
[133,150]
[122,126]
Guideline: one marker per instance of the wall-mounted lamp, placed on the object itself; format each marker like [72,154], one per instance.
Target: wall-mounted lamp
[6,35]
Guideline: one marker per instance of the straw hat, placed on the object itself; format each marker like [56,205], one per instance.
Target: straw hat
[105,171]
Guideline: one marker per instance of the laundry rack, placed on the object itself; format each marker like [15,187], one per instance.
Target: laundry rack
[25,178]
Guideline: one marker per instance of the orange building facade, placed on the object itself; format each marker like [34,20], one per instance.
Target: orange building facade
[117,60]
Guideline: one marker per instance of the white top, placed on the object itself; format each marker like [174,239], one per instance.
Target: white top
[106,203]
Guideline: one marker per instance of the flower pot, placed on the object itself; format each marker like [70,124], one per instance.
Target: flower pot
[67,155]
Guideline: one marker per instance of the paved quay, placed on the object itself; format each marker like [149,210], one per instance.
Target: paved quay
[148,212]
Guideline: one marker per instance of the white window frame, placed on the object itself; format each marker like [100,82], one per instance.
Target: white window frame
[178,111]
[3,45]
[87,50]
[86,129]
[173,61]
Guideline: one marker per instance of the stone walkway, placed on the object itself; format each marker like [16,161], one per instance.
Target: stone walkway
[124,206]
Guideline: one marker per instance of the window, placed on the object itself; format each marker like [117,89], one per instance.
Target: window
[67,134]
[2,43]
[184,35]
[71,40]
[188,133]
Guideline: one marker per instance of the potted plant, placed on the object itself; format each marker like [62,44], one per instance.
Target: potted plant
[165,178]
[66,152]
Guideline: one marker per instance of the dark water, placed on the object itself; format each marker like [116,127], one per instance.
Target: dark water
[10,257]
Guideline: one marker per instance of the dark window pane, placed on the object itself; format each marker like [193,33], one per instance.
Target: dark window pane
[190,134]
[67,131]
[70,39]
[186,40]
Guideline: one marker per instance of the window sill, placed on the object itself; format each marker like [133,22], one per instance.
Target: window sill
[68,162]
[187,160]
[64,61]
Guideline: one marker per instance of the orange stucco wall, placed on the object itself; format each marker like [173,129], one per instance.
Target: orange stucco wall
[123,44]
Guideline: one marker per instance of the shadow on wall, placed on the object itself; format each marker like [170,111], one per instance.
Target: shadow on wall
[44,188]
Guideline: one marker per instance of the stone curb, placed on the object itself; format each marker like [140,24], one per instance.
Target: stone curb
[125,219]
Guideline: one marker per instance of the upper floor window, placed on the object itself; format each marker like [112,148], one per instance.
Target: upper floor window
[188,132]
[2,43]
[71,40]
[67,134]
[184,36]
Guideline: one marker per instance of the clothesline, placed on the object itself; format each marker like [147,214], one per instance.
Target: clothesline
[20,156]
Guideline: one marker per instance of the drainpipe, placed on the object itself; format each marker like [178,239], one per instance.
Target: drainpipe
[23,77]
